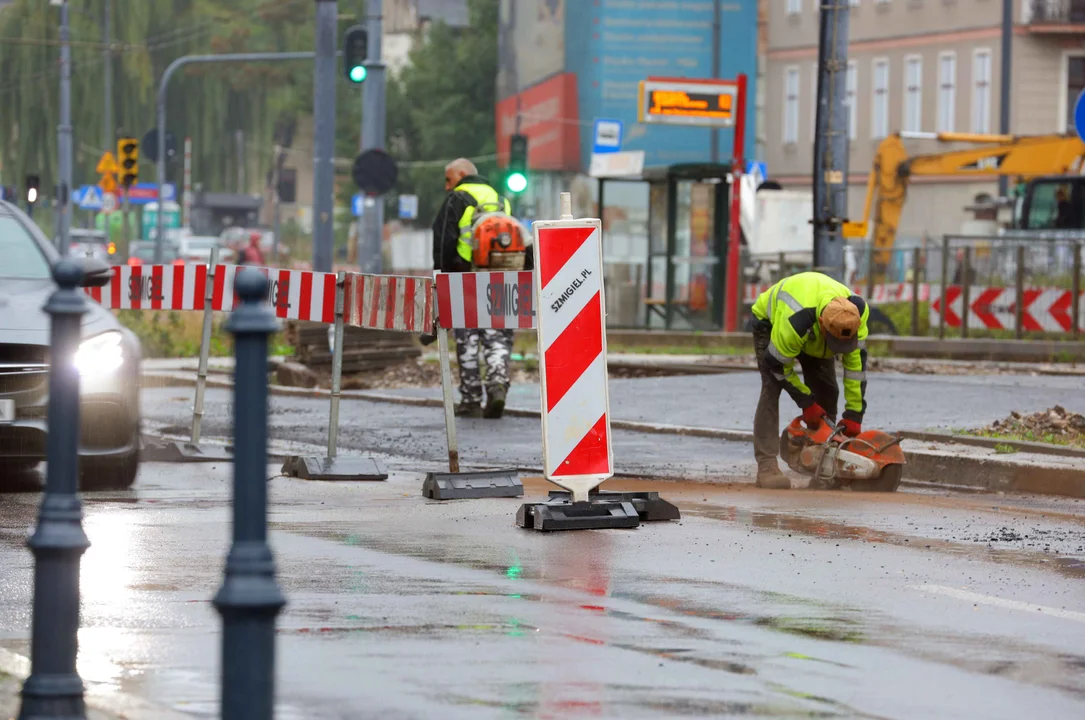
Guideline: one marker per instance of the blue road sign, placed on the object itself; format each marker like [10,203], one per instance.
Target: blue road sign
[608,136]
[1079,115]
[408,207]
[357,205]
[169,192]
[754,167]
[88,197]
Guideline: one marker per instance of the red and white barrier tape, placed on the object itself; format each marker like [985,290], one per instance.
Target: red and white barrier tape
[499,300]
[390,302]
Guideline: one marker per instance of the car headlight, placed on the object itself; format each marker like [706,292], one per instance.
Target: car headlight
[100,354]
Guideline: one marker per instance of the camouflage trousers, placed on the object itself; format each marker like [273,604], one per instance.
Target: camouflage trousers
[495,346]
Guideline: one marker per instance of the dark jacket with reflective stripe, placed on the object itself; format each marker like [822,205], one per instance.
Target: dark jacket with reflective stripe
[793,306]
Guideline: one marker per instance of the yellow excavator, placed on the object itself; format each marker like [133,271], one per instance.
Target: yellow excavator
[1050,165]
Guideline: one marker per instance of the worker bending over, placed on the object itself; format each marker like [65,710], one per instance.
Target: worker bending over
[807,317]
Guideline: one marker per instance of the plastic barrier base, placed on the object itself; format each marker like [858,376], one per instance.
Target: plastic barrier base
[649,505]
[595,515]
[154,450]
[467,485]
[337,469]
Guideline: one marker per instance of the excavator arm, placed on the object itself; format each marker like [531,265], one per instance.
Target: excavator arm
[887,187]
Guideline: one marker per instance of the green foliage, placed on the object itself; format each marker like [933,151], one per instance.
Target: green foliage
[1004,449]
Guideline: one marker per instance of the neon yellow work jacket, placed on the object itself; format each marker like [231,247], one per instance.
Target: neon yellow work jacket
[793,306]
[485,198]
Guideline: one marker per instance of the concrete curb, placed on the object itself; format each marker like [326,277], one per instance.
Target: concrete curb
[118,704]
[942,466]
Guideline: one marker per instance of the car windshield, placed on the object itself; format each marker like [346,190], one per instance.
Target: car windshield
[202,243]
[146,252]
[22,258]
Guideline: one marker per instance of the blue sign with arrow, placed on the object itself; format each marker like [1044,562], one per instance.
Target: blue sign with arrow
[357,205]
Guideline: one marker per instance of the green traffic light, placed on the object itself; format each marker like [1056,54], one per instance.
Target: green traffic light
[517,182]
[357,73]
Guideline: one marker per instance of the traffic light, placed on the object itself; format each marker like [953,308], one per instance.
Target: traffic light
[516,178]
[128,157]
[32,184]
[355,49]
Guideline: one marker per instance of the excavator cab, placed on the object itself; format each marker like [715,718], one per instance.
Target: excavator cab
[1053,203]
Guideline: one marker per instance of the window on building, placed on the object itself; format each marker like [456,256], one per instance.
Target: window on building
[1075,83]
[794,7]
[981,91]
[947,92]
[879,111]
[913,94]
[850,89]
[791,105]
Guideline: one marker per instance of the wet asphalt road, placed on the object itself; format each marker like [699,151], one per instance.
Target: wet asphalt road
[756,603]
[895,401]
[413,438]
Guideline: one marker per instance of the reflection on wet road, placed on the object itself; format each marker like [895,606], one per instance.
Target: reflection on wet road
[764,604]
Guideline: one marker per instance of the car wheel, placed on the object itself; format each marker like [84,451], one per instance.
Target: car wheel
[109,474]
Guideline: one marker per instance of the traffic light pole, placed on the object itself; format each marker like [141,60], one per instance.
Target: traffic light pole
[324,135]
[163,84]
[64,134]
[373,130]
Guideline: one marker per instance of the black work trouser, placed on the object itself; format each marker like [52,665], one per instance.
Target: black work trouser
[819,374]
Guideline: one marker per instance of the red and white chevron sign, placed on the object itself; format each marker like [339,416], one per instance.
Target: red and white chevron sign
[500,300]
[1044,309]
[572,341]
[389,302]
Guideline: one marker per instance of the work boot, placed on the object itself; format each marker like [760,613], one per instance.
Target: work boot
[469,410]
[770,477]
[495,404]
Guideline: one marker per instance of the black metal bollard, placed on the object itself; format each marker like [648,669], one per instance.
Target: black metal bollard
[54,690]
[249,599]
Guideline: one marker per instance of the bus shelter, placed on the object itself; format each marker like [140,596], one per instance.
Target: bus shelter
[665,243]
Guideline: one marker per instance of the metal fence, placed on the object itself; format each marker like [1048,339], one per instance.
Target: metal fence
[998,286]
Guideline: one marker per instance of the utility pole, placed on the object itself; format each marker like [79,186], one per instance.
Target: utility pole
[717,22]
[107,38]
[831,140]
[64,133]
[373,117]
[186,197]
[324,140]
[239,138]
[1005,85]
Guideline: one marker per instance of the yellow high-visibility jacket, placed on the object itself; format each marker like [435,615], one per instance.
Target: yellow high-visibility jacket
[486,200]
[793,307]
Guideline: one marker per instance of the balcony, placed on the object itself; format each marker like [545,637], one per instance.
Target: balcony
[1056,17]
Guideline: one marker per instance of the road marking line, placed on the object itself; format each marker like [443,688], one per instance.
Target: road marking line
[1000,602]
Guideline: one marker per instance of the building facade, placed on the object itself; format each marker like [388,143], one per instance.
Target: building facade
[919,65]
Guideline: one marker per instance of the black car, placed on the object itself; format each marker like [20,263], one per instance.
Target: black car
[108,360]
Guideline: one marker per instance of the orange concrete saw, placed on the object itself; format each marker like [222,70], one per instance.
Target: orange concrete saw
[871,462]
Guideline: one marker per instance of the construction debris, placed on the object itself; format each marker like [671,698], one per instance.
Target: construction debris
[1056,425]
[363,350]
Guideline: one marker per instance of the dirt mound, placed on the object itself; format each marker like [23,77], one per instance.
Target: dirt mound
[1056,425]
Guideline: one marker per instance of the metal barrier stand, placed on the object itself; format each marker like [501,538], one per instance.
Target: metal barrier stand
[332,467]
[457,485]
[193,451]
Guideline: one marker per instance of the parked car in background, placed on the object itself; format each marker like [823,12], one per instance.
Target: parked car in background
[141,252]
[108,362]
[197,249]
[91,243]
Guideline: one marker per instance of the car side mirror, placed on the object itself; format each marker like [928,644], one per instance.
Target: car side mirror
[96,273]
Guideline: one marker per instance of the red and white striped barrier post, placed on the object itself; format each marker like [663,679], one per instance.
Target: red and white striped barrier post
[577,453]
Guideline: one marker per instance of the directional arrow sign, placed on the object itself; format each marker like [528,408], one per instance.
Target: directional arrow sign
[107,165]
